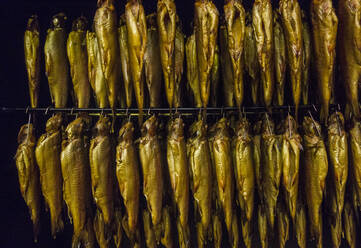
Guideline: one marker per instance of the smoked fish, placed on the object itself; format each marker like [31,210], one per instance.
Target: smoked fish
[349,48]
[324,26]
[300,225]
[192,70]
[78,60]
[349,228]
[206,31]
[28,174]
[235,18]
[47,154]
[316,169]
[306,59]
[256,156]
[152,62]
[262,21]
[355,163]
[56,62]
[178,64]
[32,58]
[215,78]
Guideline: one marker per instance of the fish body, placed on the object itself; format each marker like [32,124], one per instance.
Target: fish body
[349,229]
[56,62]
[47,154]
[95,72]
[192,70]
[292,24]
[324,26]
[349,50]
[105,24]
[152,62]
[205,30]
[78,58]
[280,58]
[355,163]
[301,225]
[178,65]
[127,171]
[32,58]
[262,21]
[215,78]
[316,169]
[306,59]
[28,174]
[256,156]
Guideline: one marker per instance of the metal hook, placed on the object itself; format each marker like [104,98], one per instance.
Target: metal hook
[314,107]
[148,112]
[314,122]
[47,110]
[27,110]
[339,107]
[72,111]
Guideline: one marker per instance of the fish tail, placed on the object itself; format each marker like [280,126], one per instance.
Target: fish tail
[36,230]
[57,224]
[84,238]
[183,235]
[217,231]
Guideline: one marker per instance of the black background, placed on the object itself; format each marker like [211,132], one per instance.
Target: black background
[15,224]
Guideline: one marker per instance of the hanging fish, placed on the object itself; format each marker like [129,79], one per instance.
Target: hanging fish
[178,64]
[192,71]
[349,229]
[306,59]
[256,155]
[355,163]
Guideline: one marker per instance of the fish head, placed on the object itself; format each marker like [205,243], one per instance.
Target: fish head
[242,128]
[150,126]
[54,123]
[26,133]
[103,126]
[176,128]
[80,24]
[75,128]
[311,127]
[33,23]
[336,123]
[198,128]
[58,21]
[290,125]
[126,132]
[268,125]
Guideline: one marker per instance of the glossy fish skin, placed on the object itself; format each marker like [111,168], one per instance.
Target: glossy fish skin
[316,169]
[200,172]
[226,62]
[244,176]
[324,26]
[47,154]
[76,188]
[137,41]
[105,23]
[283,225]
[235,18]
[355,163]
[192,70]
[152,62]
[262,226]
[101,169]
[301,225]
[262,22]
[77,55]
[127,171]
[125,60]
[291,152]
[292,24]
[56,62]
[166,18]
[256,155]
[178,64]
[32,58]
[151,161]
[28,174]
[349,50]
[95,72]
[306,59]
[349,229]
[280,58]
[205,30]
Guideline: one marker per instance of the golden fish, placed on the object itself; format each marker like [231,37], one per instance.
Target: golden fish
[334,219]
[77,55]
[28,174]
[76,188]
[355,163]
[178,64]
[166,240]
[105,23]
[324,26]
[283,225]
[280,58]
[349,47]
[262,226]
[95,72]
[150,240]
[192,71]
[205,30]
[56,62]
[292,24]
[316,169]
[127,171]
[32,58]
[256,154]
[262,22]
[300,225]
[47,154]
[215,78]
[306,59]
[235,18]
[349,229]
[166,18]
[217,231]
[137,43]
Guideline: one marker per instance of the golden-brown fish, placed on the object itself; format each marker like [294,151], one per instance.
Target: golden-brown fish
[101,169]
[355,159]
[256,155]
[291,151]
[235,18]
[280,58]
[137,42]
[167,239]
[178,64]
[300,225]
[192,71]
[334,219]
[349,47]
[324,26]
[47,154]
[95,72]
[28,174]
[166,18]
[150,240]
[56,62]
[217,231]
[105,23]
[215,78]
[205,30]
[152,62]
[32,58]
[77,55]
[283,225]
[127,171]
[76,188]
[244,176]
[262,22]
[262,226]
[292,23]
[316,169]
[349,228]
[306,58]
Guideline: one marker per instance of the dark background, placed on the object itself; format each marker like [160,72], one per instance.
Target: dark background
[15,223]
